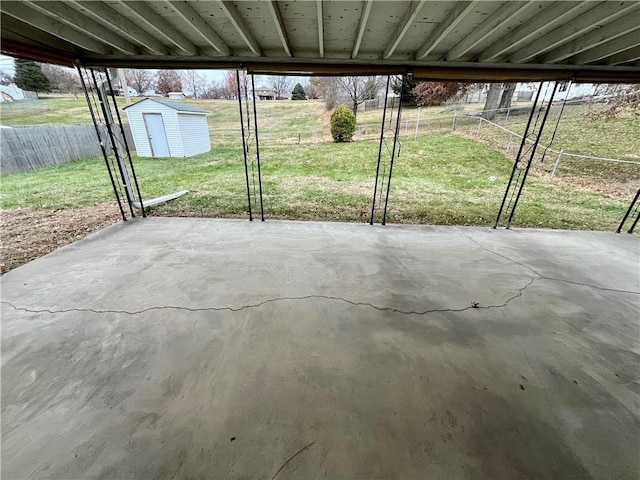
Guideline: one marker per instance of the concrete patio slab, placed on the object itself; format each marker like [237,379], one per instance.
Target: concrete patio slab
[199,348]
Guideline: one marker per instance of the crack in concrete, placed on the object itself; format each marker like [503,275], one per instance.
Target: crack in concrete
[291,458]
[473,306]
[544,277]
[272,300]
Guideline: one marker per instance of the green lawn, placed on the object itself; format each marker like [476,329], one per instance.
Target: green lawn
[617,138]
[441,178]
[58,110]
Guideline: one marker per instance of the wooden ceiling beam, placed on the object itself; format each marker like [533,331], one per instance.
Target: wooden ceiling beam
[599,36]
[554,15]
[276,16]
[403,27]
[488,28]
[202,28]
[74,19]
[25,13]
[108,17]
[319,15]
[601,14]
[241,26]
[453,18]
[608,49]
[147,16]
[362,26]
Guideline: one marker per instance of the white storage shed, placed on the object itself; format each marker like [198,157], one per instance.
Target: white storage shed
[165,128]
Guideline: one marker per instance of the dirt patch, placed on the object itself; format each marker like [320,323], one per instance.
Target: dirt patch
[28,234]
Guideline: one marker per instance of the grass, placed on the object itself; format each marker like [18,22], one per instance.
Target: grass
[441,178]
[617,138]
[59,110]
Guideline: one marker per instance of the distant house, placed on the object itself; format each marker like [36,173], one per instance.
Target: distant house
[265,94]
[176,95]
[166,128]
[118,91]
[568,91]
[10,93]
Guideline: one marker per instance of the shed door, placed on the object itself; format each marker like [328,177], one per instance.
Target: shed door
[157,136]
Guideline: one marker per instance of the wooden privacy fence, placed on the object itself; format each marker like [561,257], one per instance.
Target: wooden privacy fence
[31,147]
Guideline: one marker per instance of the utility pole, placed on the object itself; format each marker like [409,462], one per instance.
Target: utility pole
[123,84]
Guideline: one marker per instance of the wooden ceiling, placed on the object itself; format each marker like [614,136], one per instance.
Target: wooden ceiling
[454,40]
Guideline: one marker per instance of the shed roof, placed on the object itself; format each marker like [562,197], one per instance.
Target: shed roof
[180,106]
[449,40]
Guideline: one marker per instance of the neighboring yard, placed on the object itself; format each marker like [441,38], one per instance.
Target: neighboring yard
[440,177]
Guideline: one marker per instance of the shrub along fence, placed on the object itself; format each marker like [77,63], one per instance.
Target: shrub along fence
[31,147]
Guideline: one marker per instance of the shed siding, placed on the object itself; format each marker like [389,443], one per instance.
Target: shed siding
[139,131]
[195,133]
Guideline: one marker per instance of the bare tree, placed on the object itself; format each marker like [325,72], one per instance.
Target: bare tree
[214,90]
[139,80]
[230,85]
[499,97]
[312,90]
[618,97]
[62,79]
[281,85]
[327,89]
[507,94]
[436,93]
[168,81]
[193,82]
[358,89]
[493,100]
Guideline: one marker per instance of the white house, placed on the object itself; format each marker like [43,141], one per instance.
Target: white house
[568,91]
[165,128]
[176,95]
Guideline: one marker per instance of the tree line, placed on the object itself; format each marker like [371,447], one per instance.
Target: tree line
[350,90]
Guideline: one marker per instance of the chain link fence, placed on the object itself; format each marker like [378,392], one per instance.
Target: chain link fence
[619,177]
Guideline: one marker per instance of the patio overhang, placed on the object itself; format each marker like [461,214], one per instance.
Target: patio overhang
[466,40]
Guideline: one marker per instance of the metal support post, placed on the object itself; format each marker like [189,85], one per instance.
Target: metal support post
[635,222]
[396,143]
[102,147]
[384,115]
[255,126]
[139,203]
[523,143]
[244,145]
[533,152]
[555,129]
[108,121]
[250,143]
[516,182]
[634,203]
